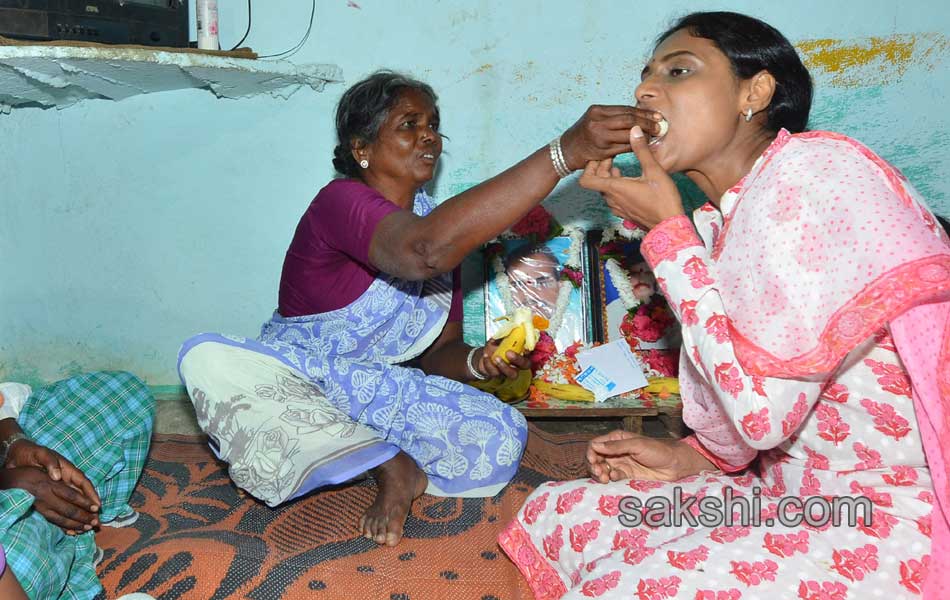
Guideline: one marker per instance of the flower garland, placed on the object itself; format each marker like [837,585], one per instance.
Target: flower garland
[558,368]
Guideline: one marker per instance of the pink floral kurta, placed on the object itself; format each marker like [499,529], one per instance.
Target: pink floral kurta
[847,430]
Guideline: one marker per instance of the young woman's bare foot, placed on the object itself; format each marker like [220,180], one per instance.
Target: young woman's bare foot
[399,481]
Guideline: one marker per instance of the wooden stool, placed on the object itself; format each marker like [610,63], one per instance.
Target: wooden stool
[628,407]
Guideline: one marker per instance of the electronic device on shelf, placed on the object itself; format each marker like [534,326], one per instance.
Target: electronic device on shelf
[142,22]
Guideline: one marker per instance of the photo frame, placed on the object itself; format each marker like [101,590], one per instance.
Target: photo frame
[550,276]
[628,305]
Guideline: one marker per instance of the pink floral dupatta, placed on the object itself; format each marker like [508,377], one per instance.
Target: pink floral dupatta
[823,240]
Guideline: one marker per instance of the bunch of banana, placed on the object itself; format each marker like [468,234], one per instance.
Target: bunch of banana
[563,391]
[660,385]
[519,334]
[507,390]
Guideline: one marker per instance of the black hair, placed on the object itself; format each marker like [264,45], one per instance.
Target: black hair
[943,223]
[362,110]
[752,46]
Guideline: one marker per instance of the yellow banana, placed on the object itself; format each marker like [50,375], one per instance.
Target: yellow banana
[521,332]
[514,341]
[506,390]
[487,385]
[563,391]
[659,385]
[514,390]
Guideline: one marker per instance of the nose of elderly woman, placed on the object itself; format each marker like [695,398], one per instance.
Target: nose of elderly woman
[428,135]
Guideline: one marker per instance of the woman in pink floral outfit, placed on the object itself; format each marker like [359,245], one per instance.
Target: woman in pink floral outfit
[814,297]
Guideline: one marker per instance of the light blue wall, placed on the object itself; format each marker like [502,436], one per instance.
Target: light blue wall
[128,226]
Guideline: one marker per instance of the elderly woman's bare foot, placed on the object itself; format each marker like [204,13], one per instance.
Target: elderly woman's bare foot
[399,481]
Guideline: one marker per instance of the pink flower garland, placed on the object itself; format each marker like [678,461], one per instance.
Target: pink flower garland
[537,225]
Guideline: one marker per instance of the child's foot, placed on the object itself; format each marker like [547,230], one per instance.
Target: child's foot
[124,520]
[98,556]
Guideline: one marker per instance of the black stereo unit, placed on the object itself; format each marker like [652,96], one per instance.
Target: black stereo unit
[143,22]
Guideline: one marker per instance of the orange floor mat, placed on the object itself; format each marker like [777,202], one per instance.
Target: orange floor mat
[199,537]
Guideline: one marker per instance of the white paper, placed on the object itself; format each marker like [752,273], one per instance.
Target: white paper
[609,370]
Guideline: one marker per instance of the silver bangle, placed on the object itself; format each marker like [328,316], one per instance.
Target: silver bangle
[471,366]
[560,165]
[557,158]
[5,445]
[553,154]
[560,157]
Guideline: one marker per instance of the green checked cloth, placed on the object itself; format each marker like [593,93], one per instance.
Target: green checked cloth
[102,423]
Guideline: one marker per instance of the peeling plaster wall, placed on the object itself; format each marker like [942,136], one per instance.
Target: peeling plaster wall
[131,225]
[58,77]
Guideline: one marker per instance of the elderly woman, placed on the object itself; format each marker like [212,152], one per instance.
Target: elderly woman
[814,297]
[362,366]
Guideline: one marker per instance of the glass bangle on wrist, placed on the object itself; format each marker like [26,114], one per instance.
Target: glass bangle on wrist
[5,445]
[475,373]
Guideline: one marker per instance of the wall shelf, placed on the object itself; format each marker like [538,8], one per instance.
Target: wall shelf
[47,76]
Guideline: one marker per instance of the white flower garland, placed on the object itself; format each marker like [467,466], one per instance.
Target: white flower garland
[621,280]
[618,275]
[573,261]
[574,252]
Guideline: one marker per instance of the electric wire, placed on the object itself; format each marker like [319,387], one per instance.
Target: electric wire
[248,30]
[303,40]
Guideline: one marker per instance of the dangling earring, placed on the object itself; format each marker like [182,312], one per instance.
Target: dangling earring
[364,163]
[748,114]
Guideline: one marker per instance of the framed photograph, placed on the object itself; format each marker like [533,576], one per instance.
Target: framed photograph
[549,276]
[627,303]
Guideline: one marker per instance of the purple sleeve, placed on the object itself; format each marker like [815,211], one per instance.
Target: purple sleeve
[347,216]
[3,560]
[455,310]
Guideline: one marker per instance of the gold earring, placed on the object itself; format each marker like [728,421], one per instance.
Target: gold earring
[748,114]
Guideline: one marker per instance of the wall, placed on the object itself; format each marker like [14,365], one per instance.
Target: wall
[128,226]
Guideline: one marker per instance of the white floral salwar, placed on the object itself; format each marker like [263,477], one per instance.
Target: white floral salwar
[569,541]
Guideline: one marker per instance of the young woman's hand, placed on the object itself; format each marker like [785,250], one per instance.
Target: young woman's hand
[624,455]
[646,200]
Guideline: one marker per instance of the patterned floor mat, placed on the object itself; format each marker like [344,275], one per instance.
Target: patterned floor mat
[201,538]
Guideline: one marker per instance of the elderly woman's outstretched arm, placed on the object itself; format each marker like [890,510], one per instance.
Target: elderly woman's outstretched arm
[416,248]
